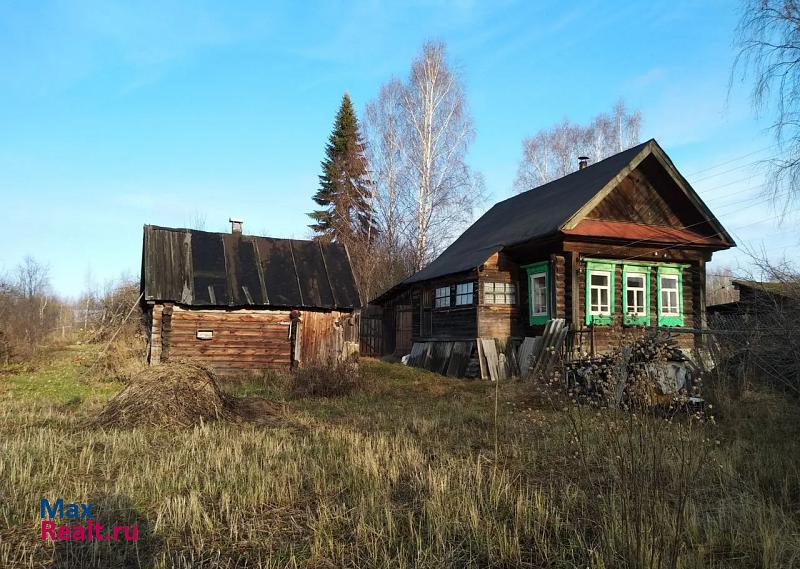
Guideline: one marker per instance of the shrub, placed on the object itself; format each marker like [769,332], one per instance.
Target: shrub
[332,379]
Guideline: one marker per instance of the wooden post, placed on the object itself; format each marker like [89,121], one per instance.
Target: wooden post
[155,334]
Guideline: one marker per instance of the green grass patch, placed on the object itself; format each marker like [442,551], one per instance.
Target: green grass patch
[401,473]
[67,378]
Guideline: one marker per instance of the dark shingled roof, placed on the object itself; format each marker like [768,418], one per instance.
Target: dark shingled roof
[534,214]
[198,268]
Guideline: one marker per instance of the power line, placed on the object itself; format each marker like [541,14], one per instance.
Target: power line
[729,170]
[735,203]
[683,243]
[715,166]
[727,184]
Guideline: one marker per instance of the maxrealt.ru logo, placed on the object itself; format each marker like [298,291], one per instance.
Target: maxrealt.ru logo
[88,531]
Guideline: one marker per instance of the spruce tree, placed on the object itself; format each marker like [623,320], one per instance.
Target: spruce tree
[344,185]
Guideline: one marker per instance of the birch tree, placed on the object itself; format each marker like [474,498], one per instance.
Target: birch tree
[438,131]
[768,40]
[384,129]
[553,152]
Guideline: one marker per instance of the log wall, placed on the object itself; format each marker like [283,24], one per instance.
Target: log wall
[250,339]
[500,321]
[242,339]
[453,322]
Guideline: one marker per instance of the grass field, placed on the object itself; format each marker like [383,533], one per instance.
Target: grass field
[412,471]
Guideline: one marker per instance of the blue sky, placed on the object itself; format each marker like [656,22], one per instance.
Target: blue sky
[117,114]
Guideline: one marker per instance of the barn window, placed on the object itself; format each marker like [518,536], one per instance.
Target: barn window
[442,298]
[205,334]
[670,296]
[464,294]
[599,293]
[500,293]
[538,293]
[636,295]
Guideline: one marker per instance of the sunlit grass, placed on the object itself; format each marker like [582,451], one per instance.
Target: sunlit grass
[401,474]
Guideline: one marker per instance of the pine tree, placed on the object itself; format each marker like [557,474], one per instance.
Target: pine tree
[344,186]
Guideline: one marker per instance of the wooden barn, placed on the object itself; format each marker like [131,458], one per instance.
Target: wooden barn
[613,247]
[241,302]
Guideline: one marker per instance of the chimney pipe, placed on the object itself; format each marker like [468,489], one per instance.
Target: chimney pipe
[236,225]
[583,162]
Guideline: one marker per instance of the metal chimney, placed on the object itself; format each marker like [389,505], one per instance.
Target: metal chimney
[583,162]
[236,225]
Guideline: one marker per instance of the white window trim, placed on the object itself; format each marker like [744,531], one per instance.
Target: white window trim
[676,291]
[643,289]
[543,309]
[607,287]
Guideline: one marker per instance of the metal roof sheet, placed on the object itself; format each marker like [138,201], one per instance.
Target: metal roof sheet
[199,268]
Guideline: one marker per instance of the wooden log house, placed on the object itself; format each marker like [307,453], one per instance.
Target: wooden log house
[242,302]
[613,247]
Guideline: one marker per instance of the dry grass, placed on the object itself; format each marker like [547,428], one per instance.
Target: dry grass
[404,476]
[334,379]
[179,395]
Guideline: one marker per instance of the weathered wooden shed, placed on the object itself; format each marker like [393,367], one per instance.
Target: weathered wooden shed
[243,302]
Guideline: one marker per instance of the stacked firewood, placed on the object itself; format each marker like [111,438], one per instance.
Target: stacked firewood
[628,375]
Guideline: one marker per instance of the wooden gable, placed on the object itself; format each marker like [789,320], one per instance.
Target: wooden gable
[649,197]
[649,201]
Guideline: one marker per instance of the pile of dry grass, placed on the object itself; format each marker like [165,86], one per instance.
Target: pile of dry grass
[181,395]
[331,379]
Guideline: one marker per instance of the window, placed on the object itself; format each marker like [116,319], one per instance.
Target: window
[636,295]
[670,296]
[600,293]
[538,293]
[499,293]
[464,294]
[442,299]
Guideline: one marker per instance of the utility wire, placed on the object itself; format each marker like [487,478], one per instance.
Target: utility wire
[732,160]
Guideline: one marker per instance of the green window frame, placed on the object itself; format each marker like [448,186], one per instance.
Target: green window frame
[600,319]
[538,269]
[670,319]
[636,319]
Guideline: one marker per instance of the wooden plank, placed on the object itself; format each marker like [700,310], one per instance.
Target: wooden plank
[511,359]
[525,355]
[459,359]
[418,351]
[439,356]
[482,360]
[502,364]
[554,335]
[489,348]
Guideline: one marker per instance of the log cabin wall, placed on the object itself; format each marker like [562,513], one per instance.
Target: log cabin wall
[609,337]
[499,320]
[228,340]
[453,322]
[249,339]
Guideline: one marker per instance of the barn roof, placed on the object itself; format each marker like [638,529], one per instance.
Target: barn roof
[199,268]
[558,206]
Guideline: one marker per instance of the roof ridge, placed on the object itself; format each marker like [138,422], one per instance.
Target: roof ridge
[579,171]
[190,230]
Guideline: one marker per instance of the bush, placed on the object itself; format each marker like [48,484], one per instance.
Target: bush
[333,379]
[760,342]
